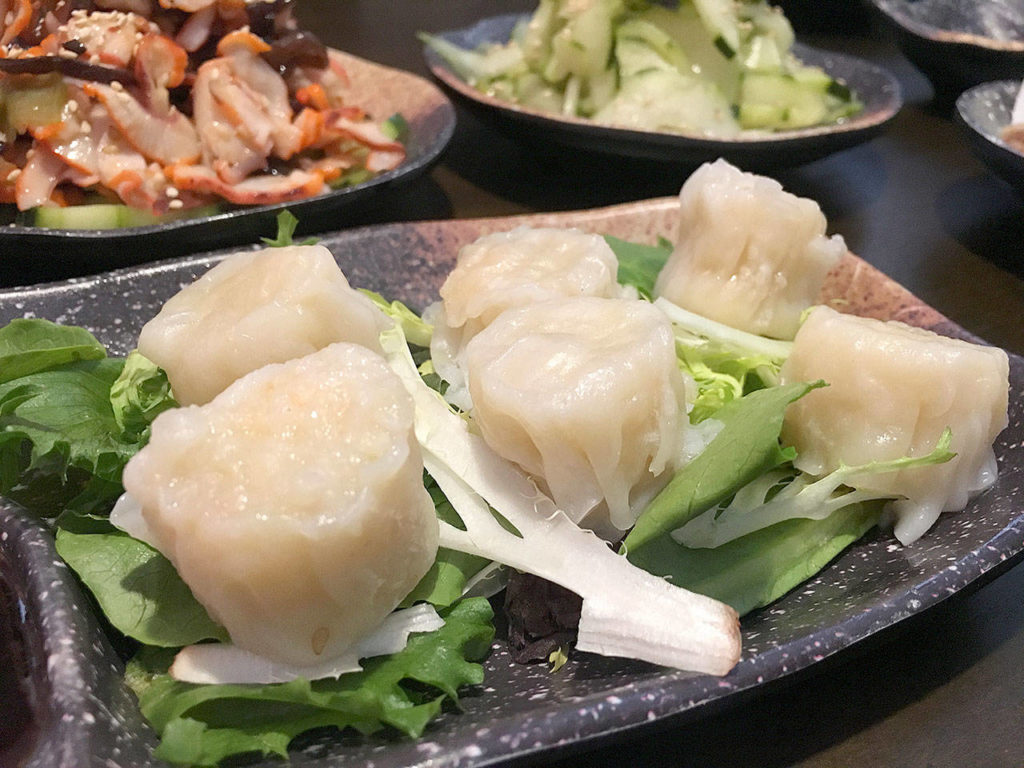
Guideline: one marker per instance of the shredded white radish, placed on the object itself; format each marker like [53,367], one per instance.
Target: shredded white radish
[223,663]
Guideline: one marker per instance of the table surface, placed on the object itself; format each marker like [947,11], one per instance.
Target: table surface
[948,690]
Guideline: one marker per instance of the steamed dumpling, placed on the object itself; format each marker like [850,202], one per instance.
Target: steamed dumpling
[252,309]
[293,503]
[512,269]
[585,395]
[748,254]
[893,389]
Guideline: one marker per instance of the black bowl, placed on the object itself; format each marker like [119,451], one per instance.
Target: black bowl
[958,43]
[759,150]
[985,111]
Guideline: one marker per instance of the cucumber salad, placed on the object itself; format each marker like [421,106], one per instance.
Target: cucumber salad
[295,497]
[130,112]
[715,68]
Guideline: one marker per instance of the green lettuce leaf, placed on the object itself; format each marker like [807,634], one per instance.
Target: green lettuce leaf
[747,446]
[138,589]
[639,265]
[287,223]
[444,583]
[71,418]
[202,724]
[757,569]
[417,331]
[31,345]
[140,394]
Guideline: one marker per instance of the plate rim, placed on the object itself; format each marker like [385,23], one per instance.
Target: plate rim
[893,10]
[590,719]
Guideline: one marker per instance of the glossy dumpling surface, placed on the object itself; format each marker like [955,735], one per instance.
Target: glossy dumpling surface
[586,395]
[893,389]
[512,269]
[293,503]
[252,309]
[748,253]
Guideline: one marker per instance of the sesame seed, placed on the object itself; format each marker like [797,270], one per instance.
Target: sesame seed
[116,86]
[175,204]
[14,174]
[172,192]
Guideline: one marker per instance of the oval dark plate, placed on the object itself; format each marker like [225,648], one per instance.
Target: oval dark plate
[957,43]
[85,717]
[33,254]
[985,110]
[879,91]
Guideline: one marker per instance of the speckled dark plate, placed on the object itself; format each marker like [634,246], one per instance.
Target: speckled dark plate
[33,254]
[959,43]
[985,111]
[879,91]
[86,718]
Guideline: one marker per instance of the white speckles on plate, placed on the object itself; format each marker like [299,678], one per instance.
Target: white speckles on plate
[520,709]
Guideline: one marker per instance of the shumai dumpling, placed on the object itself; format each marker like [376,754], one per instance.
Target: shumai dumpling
[748,253]
[586,395]
[892,391]
[512,269]
[255,308]
[293,503]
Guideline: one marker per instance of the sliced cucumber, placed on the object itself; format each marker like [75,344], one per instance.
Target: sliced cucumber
[705,60]
[719,16]
[107,216]
[31,101]
[666,100]
[796,105]
[533,91]
[536,37]
[600,90]
[636,57]
[768,21]
[636,32]
[583,47]
[763,54]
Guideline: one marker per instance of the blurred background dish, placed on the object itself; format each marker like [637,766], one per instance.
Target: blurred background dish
[762,150]
[958,43]
[35,254]
[985,111]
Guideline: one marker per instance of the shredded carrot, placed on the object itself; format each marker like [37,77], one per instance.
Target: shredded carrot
[311,124]
[19,23]
[47,132]
[313,95]
[156,50]
[243,39]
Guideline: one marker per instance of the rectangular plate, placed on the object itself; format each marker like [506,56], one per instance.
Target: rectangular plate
[86,717]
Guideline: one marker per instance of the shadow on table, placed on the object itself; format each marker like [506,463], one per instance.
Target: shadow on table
[993,226]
